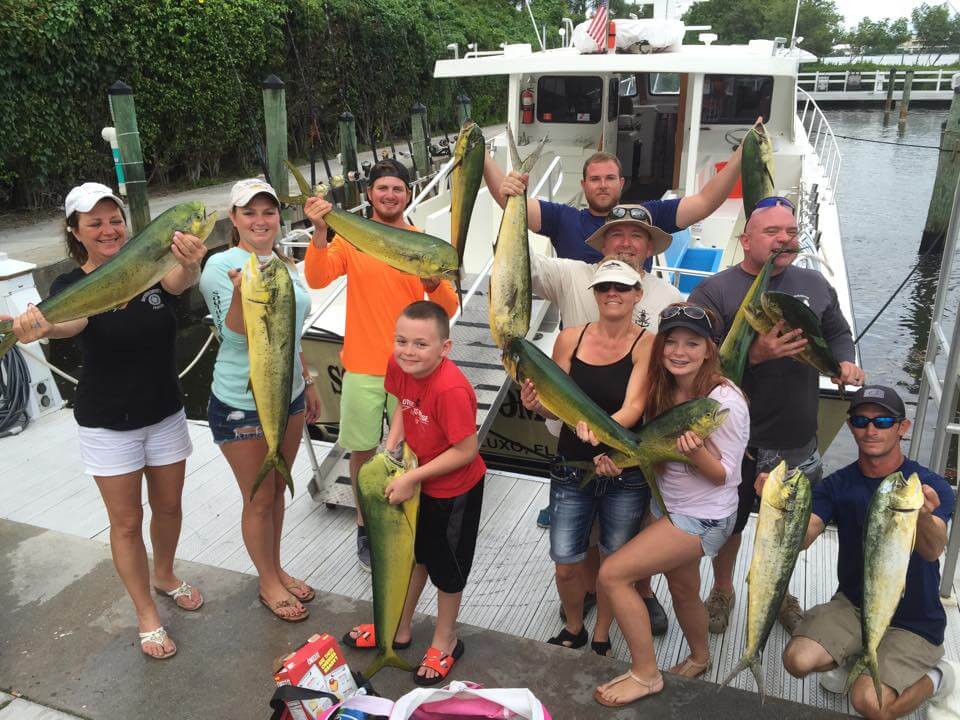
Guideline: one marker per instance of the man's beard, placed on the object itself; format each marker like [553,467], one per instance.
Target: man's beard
[633,261]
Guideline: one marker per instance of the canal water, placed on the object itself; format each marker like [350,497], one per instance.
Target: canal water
[886,183]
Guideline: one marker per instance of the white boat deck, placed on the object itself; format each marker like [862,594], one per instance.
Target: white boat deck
[511,586]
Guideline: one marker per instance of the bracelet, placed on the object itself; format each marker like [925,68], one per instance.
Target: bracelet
[307,380]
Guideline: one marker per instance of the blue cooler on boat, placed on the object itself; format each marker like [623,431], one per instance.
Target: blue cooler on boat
[698,258]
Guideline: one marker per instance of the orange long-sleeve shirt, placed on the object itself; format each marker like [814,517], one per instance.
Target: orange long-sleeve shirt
[376,295]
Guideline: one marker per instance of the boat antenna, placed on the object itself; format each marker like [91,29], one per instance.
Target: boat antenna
[536,30]
[793,33]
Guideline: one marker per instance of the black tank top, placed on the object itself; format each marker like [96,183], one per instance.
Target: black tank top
[606,385]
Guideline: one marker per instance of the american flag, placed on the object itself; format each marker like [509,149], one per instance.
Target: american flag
[597,29]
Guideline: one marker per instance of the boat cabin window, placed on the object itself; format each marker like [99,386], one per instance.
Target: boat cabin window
[613,99]
[663,84]
[628,86]
[569,99]
[735,99]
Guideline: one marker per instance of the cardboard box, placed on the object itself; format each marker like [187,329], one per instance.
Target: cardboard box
[318,664]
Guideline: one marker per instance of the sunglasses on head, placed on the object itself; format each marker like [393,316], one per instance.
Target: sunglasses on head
[774,201]
[636,213]
[604,287]
[884,422]
[693,312]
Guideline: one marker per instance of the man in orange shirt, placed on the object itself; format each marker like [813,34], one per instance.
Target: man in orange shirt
[376,295]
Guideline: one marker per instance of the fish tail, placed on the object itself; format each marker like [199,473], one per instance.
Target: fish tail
[741,666]
[874,667]
[269,463]
[514,153]
[284,470]
[305,189]
[7,338]
[384,659]
[756,667]
[855,672]
[459,287]
[655,489]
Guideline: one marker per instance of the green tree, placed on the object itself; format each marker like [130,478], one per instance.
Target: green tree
[877,36]
[936,28]
[738,21]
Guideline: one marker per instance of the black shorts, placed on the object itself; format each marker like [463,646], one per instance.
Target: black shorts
[447,531]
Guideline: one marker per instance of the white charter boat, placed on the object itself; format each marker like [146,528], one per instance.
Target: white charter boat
[672,116]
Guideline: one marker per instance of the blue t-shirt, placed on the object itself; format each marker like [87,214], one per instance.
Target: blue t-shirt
[844,497]
[569,228]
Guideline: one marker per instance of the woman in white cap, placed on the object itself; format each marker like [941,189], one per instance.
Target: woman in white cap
[608,359]
[232,413]
[128,404]
[700,495]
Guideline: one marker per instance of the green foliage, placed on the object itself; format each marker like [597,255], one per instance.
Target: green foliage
[878,36]
[196,67]
[739,21]
[935,27]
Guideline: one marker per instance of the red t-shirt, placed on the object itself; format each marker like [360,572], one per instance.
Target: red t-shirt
[438,411]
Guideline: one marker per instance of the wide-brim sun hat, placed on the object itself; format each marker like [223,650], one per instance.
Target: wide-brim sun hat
[84,197]
[632,215]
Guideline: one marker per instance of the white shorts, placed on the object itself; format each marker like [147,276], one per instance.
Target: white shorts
[118,452]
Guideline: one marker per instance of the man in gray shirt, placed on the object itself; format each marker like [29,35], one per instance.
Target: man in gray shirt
[783,393]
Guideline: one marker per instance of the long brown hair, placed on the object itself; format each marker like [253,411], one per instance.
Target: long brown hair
[235,234]
[75,249]
[660,397]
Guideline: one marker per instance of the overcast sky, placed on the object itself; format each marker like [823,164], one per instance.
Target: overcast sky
[855,10]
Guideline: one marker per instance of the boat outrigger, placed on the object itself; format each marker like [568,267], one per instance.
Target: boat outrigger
[672,118]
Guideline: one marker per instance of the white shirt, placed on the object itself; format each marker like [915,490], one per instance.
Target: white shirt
[565,282]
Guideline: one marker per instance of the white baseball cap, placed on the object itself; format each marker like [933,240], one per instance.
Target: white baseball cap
[615,271]
[83,197]
[245,190]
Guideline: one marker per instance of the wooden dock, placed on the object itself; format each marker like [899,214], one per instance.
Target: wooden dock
[511,587]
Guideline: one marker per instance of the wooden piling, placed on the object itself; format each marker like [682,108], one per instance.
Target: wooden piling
[888,103]
[275,120]
[420,138]
[905,101]
[948,170]
[124,113]
[348,159]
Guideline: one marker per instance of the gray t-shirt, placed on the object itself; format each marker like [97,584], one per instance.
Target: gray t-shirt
[783,393]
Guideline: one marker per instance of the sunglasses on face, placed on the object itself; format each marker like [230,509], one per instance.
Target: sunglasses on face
[604,287]
[636,213]
[693,312]
[774,201]
[884,422]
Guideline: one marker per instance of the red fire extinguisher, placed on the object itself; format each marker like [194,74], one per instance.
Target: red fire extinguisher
[612,37]
[526,106]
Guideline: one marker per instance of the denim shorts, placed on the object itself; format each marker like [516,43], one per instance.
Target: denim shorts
[712,533]
[619,502]
[228,424]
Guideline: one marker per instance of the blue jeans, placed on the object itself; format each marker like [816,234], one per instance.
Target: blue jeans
[228,423]
[620,503]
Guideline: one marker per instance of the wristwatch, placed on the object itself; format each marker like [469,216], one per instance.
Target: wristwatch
[307,380]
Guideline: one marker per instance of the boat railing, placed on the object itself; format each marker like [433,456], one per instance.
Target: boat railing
[824,143]
[555,170]
[944,392]
[678,272]
[854,83]
[424,194]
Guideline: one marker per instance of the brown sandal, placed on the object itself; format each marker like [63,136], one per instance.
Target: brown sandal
[652,687]
[301,591]
[280,605]
[690,669]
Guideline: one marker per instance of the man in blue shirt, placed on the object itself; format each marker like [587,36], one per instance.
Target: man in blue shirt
[911,652]
[568,227]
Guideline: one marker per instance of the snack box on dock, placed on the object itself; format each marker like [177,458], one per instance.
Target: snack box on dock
[318,664]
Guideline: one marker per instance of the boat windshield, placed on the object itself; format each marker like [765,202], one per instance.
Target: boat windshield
[736,99]
[569,99]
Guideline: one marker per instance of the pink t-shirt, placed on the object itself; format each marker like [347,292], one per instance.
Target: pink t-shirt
[686,491]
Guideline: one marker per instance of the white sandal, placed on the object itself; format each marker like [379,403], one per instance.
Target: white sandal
[158,637]
[182,590]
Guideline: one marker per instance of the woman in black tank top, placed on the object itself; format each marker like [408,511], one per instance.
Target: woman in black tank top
[608,360]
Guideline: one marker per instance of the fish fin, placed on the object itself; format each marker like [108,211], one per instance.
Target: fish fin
[305,189]
[855,672]
[390,659]
[589,474]
[873,666]
[8,340]
[284,470]
[756,667]
[740,667]
[269,464]
[514,153]
[651,479]
[459,287]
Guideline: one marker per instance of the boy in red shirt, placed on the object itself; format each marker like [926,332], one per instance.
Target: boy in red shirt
[436,414]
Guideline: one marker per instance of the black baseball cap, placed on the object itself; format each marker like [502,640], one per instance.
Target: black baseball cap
[388,167]
[692,317]
[885,397]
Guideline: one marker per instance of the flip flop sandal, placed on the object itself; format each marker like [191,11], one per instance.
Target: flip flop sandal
[440,663]
[295,587]
[366,639]
[182,590]
[157,637]
[280,605]
[651,688]
[565,636]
